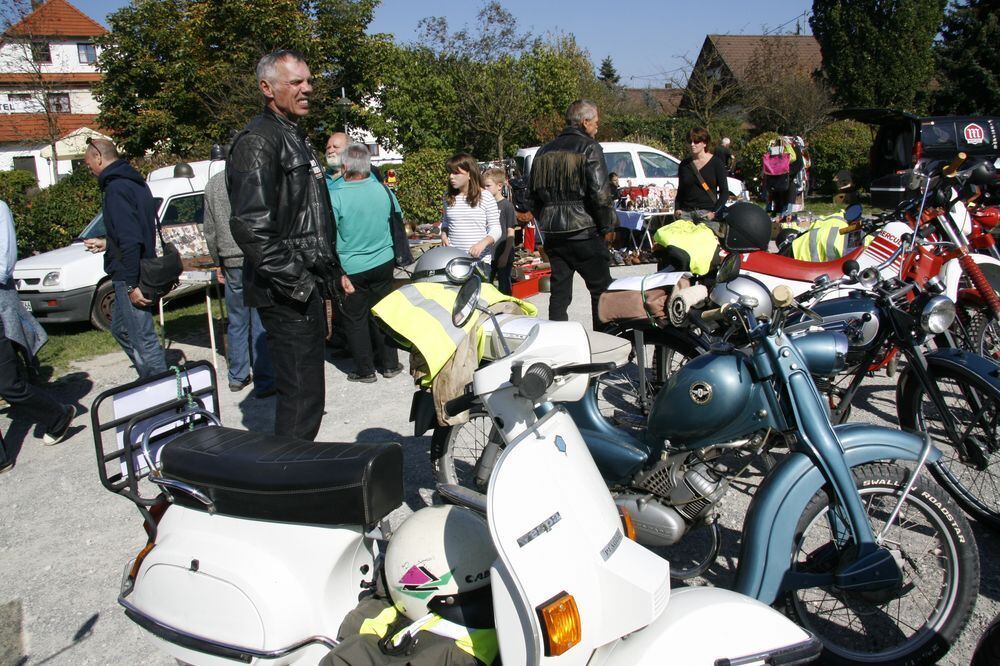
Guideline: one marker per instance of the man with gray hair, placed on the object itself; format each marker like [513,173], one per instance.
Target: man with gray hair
[573,205]
[281,219]
[725,153]
[362,206]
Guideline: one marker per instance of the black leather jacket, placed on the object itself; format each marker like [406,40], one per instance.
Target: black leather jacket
[281,216]
[570,192]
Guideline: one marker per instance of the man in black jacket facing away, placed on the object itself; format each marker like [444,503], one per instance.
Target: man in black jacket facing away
[574,207]
[282,221]
[130,220]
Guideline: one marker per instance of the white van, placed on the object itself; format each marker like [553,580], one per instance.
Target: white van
[635,165]
[69,284]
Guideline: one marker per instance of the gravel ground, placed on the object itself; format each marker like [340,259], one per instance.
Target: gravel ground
[64,539]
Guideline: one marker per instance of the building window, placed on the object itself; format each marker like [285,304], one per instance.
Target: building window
[24,164]
[58,102]
[373,149]
[87,53]
[40,52]
[20,98]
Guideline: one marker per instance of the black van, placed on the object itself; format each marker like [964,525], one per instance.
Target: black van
[903,139]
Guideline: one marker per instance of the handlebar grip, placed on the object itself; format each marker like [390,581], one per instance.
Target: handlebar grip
[585,368]
[715,314]
[950,169]
[854,226]
[782,296]
[456,406]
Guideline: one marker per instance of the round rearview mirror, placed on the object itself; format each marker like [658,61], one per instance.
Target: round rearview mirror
[853,212]
[459,269]
[730,268]
[465,304]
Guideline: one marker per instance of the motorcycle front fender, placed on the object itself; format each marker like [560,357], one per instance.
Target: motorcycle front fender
[688,631]
[960,362]
[778,504]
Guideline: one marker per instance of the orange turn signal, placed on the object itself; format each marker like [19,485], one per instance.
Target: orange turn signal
[627,523]
[561,620]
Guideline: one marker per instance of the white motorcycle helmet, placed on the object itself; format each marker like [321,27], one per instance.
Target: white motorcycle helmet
[433,266]
[746,288]
[439,561]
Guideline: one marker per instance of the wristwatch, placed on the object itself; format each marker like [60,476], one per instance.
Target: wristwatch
[129,289]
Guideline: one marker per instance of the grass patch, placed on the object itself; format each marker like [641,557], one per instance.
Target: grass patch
[70,343]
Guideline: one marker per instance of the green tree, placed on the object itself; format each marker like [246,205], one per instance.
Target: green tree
[422,181]
[967,59]
[878,52]
[179,74]
[608,75]
[838,146]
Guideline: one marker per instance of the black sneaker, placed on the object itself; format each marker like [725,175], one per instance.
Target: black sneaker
[60,432]
[366,379]
[238,386]
[392,372]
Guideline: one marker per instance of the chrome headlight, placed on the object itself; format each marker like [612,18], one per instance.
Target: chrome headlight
[937,315]
[51,279]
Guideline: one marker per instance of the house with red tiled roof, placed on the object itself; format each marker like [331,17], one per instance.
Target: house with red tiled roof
[724,60]
[48,68]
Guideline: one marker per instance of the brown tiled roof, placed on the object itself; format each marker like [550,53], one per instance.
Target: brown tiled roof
[666,99]
[56,18]
[738,50]
[29,127]
[32,79]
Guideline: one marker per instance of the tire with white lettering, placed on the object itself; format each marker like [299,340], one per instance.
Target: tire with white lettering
[915,622]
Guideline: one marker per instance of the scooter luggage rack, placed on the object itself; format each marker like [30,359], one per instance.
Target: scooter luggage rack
[189,393]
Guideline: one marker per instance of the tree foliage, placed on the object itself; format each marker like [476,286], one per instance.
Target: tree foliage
[54,216]
[179,74]
[778,96]
[607,74]
[422,181]
[968,60]
[839,145]
[878,52]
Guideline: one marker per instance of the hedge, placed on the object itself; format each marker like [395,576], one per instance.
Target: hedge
[53,217]
[422,184]
[752,157]
[840,145]
[15,188]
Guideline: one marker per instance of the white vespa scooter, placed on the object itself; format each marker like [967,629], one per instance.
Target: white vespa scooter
[263,571]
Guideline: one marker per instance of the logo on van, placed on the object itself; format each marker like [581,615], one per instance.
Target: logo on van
[974,134]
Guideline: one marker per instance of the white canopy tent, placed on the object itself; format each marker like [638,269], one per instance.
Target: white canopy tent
[73,145]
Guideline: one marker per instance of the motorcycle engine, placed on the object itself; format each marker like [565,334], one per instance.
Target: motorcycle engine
[687,483]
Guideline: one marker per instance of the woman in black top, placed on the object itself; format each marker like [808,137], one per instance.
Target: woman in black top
[699,198]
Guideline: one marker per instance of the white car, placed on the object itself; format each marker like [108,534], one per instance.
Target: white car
[636,165]
[69,284]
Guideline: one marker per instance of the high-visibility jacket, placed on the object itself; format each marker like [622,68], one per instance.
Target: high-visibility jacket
[419,315]
[480,643]
[698,240]
[822,241]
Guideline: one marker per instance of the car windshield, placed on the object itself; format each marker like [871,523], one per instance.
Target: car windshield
[657,166]
[95,228]
[621,164]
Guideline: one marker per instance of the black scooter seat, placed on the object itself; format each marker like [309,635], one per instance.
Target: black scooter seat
[271,477]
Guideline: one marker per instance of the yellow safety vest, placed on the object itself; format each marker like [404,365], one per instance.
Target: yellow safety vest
[698,240]
[480,643]
[822,241]
[419,315]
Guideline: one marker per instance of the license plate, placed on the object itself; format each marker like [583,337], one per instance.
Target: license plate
[27,305]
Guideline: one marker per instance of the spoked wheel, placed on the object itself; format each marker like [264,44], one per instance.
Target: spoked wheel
[933,545]
[973,479]
[457,451]
[620,397]
[985,334]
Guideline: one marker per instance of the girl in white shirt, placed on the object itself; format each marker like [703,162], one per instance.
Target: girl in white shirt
[471,219]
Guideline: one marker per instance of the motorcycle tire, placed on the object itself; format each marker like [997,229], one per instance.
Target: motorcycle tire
[988,649]
[985,334]
[974,483]
[934,546]
[456,450]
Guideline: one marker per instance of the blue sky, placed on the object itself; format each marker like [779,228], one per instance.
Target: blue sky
[647,40]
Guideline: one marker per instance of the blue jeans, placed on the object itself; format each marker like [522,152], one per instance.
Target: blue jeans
[134,330]
[245,332]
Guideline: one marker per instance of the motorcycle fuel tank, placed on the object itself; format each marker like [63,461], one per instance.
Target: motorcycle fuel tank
[855,315]
[712,399]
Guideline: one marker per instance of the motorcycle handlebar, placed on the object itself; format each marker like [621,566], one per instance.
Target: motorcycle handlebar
[951,169]
[585,368]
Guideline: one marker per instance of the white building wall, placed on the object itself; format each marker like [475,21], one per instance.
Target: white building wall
[15,58]
[43,167]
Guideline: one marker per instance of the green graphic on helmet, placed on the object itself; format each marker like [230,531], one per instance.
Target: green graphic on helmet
[421,583]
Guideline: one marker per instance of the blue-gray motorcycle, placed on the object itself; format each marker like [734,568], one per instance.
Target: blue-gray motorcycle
[845,532]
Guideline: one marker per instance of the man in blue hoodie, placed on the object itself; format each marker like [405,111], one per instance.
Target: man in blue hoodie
[130,221]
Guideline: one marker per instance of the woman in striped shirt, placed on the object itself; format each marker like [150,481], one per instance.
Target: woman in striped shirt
[471,219]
